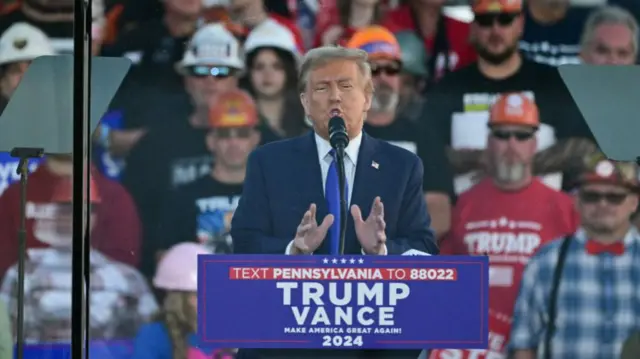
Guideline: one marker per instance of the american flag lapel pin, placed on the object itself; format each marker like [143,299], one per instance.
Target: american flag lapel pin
[375,164]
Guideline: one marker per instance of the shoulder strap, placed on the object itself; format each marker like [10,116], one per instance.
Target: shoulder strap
[553,296]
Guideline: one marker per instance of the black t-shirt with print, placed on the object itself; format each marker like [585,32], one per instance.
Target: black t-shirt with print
[165,158]
[408,135]
[200,211]
[555,44]
[468,90]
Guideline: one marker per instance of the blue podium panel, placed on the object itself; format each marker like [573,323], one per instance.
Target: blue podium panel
[97,350]
[349,302]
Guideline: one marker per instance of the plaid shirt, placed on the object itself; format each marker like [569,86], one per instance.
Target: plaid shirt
[598,300]
[120,299]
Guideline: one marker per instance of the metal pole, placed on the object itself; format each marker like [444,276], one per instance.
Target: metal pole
[24,154]
[23,168]
[81,129]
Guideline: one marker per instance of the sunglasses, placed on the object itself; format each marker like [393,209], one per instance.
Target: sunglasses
[507,135]
[210,71]
[503,19]
[390,70]
[240,132]
[591,197]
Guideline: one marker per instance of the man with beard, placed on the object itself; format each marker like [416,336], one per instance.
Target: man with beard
[385,121]
[508,215]
[552,31]
[458,105]
[594,274]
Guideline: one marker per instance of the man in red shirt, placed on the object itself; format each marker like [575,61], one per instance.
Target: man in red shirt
[441,34]
[508,215]
[117,230]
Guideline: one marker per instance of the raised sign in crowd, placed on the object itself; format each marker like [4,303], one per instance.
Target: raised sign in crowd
[511,169]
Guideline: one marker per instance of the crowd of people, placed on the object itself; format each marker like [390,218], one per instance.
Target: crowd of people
[510,166]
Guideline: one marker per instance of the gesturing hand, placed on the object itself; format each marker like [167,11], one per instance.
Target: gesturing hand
[310,235]
[370,233]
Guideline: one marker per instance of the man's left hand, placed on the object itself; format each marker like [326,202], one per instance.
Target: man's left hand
[370,233]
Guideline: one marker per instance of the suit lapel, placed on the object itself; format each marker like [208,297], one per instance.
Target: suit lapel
[364,188]
[311,175]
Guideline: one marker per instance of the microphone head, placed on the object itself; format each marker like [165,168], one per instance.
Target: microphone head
[338,136]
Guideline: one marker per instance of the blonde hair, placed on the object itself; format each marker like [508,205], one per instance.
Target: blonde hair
[180,318]
[610,15]
[321,56]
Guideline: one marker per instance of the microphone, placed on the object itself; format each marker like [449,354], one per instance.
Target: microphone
[338,137]
[339,140]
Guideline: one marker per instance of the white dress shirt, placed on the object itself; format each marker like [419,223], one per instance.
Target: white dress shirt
[350,161]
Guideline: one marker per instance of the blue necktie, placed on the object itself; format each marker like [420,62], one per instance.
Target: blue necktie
[332,194]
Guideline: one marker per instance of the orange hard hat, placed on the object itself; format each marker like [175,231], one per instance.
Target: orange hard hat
[377,42]
[64,188]
[497,6]
[514,109]
[233,109]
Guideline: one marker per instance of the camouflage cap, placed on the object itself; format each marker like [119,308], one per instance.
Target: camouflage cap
[599,169]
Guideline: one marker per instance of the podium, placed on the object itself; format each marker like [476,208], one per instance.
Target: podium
[280,306]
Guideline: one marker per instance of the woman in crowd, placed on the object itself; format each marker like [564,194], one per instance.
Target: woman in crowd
[172,335]
[272,61]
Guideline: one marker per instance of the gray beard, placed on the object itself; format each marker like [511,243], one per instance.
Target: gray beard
[384,103]
[510,173]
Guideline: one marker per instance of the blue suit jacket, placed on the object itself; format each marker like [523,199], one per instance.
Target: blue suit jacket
[283,178]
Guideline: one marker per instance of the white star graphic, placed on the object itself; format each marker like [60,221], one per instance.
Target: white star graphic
[334,261]
[352,261]
[325,261]
[343,261]
[360,260]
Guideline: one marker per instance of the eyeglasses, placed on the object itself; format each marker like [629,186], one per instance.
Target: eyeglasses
[213,71]
[503,19]
[239,132]
[521,136]
[591,197]
[390,70]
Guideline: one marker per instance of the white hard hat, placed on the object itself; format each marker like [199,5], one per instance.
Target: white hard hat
[272,34]
[212,45]
[23,42]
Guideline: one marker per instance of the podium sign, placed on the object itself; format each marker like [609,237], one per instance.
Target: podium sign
[348,302]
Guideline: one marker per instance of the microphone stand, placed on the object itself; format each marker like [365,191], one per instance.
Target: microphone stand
[342,180]
[23,154]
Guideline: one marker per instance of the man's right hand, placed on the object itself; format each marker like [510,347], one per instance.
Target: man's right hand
[310,235]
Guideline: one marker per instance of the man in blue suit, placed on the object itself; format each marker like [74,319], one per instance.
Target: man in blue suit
[284,191]
[283,207]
